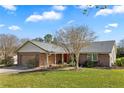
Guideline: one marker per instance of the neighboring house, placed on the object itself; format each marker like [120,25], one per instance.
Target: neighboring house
[46,54]
[15,59]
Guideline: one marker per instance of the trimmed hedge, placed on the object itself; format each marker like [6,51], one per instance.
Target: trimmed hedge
[71,63]
[91,63]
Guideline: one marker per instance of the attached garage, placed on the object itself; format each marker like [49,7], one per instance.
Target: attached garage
[39,53]
[29,53]
[27,58]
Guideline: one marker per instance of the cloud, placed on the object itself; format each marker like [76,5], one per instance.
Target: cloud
[2,25]
[51,15]
[71,21]
[114,10]
[34,18]
[59,7]
[104,12]
[113,25]
[85,6]
[14,28]
[107,31]
[118,9]
[109,27]
[9,7]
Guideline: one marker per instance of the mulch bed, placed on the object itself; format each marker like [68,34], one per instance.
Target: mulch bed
[117,67]
[113,67]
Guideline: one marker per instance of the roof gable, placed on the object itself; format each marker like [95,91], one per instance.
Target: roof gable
[30,47]
[52,48]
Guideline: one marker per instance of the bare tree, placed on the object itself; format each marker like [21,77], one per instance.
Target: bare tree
[8,44]
[73,38]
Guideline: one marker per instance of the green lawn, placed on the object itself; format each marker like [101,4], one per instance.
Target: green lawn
[84,78]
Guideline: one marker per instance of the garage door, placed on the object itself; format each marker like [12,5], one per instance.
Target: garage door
[28,60]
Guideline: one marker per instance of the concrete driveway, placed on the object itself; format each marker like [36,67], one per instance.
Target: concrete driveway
[16,69]
[12,69]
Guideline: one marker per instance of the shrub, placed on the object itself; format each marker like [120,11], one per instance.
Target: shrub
[30,64]
[91,63]
[71,62]
[59,62]
[120,61]
[9,61]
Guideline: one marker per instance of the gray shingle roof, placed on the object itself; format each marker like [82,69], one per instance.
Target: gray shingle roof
[99,47]
[49,47]
[95,47]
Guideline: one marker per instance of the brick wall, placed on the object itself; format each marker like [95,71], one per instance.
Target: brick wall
[104,59]
[82,58]
[51,59]
[42,59]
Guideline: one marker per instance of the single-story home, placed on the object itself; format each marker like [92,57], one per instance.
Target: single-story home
[46,54]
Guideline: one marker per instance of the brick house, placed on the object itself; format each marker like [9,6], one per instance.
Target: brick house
[46,54]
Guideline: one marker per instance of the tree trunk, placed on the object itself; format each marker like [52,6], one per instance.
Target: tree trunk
[4,54]
[77,61]
[72,58]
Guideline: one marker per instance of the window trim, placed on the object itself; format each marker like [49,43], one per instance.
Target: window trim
[92,59]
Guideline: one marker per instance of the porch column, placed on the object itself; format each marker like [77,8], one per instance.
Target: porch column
[37,56]
[55,59]
[18,59]
[47,60]
[62,59]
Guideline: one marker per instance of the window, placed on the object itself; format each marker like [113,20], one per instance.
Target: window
[92,57]
[89,56]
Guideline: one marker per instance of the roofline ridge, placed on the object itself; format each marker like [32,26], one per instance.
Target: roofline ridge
[105,41]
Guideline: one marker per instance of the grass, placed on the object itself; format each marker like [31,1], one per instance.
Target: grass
[85,78]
